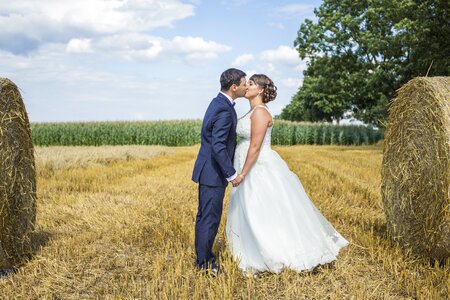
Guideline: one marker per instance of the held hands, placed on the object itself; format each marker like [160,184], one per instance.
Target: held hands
[237,181]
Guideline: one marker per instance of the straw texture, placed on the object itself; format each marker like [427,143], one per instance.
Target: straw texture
[416,167]
[17,178]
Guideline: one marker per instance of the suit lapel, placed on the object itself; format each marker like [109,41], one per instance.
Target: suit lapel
[222,98]
[225,100]
[234,117]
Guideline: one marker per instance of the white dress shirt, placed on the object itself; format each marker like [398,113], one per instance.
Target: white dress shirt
[228,97]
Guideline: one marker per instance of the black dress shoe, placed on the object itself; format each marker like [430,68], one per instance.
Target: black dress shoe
[4,273]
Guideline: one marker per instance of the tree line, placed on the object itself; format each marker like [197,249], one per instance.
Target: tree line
[361,51]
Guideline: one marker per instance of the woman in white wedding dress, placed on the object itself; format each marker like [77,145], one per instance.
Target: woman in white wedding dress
[271,222]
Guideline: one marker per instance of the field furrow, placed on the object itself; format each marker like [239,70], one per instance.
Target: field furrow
[124,229]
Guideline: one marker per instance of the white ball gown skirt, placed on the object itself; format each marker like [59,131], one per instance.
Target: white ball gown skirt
[271,222]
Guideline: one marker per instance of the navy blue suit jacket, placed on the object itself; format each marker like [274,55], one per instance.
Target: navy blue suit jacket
[214,162]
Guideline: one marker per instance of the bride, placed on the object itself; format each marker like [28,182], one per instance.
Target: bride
[271,222]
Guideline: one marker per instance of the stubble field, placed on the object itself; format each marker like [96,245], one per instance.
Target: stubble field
[118,223]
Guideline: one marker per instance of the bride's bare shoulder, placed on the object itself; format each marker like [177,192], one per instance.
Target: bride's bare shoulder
[261,114]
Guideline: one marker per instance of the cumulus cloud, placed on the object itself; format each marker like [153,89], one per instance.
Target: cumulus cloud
[26,24]
[109,27]
[51,66]
[144,47]
[283,54]
[292,82]
[242,60]
[195,47]
[273,61]
[133,46]
[297,9]
[79,46]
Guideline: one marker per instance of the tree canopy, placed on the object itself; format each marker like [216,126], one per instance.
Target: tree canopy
[361,51]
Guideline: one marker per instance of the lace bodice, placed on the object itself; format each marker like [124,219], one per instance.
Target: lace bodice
[243,128]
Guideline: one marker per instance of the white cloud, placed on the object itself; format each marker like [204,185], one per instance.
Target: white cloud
[79,46]
[195,47]
[292,82]
[279,26]
[133,46]
[297,9]
[281,63]
[151,48]
[52,64]
[302,66]
[106,27]
[242,60]
[235,2]
[40,43]
[250,72]
[26,24]
[283,54]
[269,68]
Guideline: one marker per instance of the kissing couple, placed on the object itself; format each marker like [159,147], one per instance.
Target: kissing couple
[271,222]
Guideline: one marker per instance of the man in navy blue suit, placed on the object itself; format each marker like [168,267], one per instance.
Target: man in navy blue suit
[213,168]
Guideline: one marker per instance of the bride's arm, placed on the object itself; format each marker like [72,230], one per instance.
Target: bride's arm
[260,121]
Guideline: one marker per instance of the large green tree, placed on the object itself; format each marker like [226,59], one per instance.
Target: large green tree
[325,92]
[362,51]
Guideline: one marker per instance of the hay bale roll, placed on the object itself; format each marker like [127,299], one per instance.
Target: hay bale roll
[17,178]
[416,167]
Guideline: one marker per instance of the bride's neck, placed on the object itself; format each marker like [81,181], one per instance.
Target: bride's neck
[255,102]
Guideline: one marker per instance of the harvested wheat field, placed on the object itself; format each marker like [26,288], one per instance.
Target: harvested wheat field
[122,227]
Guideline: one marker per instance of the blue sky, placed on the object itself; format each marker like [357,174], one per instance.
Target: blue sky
[92,60]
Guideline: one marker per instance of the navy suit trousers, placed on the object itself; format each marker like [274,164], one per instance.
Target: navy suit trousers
[210,203]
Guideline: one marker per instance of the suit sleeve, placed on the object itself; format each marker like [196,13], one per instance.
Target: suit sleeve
[220,132]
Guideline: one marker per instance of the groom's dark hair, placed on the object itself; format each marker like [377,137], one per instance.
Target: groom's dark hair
[230,77]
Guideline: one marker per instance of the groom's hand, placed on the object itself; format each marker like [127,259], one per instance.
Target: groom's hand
[237,181]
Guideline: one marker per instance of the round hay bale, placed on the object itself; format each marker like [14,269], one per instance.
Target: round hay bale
[17,178]
[415,173]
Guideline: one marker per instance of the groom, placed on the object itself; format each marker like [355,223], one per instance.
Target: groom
[213,168]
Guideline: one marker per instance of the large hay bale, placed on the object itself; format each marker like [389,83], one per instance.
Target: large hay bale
[17,178]
[416,167]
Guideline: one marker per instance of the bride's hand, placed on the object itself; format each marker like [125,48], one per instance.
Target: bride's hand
[240,178]
[237,181]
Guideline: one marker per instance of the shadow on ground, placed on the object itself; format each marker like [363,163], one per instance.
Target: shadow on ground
[38,240]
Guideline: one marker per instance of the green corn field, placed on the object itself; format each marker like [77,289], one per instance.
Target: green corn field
[187,133]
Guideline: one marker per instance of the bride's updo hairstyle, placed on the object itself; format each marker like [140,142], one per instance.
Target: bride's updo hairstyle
[270,90]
